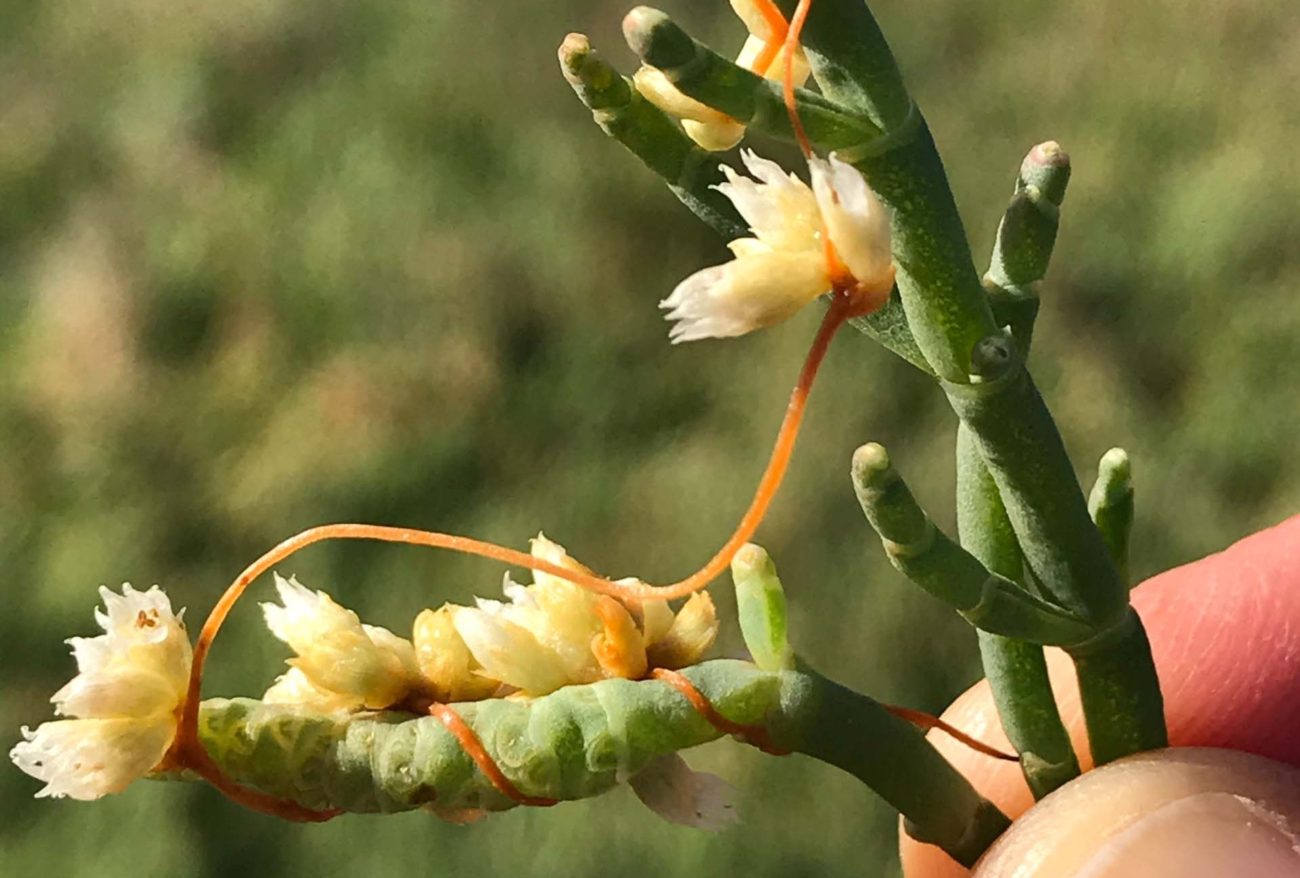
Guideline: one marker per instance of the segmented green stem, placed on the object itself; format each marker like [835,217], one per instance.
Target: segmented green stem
[931,560]
[582,740]
[1017,670]
[1018,441]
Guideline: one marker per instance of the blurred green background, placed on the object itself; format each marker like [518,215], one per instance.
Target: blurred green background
[271,263]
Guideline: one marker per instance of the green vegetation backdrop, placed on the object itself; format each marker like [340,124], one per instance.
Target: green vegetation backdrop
[272,263]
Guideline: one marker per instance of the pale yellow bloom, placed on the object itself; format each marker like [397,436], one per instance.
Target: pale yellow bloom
[554,633]
[710,129]
[354,665]
[548,634]
[445,661]
[785,265]
[126,700]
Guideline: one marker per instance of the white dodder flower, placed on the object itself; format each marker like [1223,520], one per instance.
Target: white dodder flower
[125,700]
[341,663]
[785,265]
[555,633]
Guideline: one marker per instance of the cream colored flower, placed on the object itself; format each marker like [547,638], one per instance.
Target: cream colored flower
[126,700]
[451,671]
[554,633]
[710,129]
[786,264]
[340,662]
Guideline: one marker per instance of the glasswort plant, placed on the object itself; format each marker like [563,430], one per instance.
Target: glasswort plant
[578,682]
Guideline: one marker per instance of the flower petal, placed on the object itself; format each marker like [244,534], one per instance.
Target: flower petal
[508,652]
[90,758]
[757,289]
[296,688]
[620,648]
[755,46]
[122,690]
[858,224]
[755,22]
[692,633]
[445,660]
[779,207]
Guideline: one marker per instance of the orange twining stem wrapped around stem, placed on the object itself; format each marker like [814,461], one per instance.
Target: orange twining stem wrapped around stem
[188,753]
[474,748]
[755,736]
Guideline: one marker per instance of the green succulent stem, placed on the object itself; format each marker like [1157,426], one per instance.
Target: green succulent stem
[838,726]
[700,73]
[1016,669]
[581,741]
[1017,439]
[1119,692]
[651,135]
[922,553]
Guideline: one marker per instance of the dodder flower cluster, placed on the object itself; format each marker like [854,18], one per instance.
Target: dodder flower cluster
[549,634]
[124,701]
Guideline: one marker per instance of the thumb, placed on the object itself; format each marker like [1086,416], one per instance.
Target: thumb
[1225,632]
[1189,812]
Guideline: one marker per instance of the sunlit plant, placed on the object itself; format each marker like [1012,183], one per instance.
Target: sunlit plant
[577,682]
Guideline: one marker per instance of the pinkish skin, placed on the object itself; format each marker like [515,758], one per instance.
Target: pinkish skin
[1225,631]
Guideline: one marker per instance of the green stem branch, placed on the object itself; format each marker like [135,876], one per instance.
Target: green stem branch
[649,134]
[922,553]
[700,73]
[838,726]
[1016,669]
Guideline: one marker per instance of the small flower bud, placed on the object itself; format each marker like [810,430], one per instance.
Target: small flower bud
[508,652]
[620,648]
[710,129]
[689,638]
[857,223]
